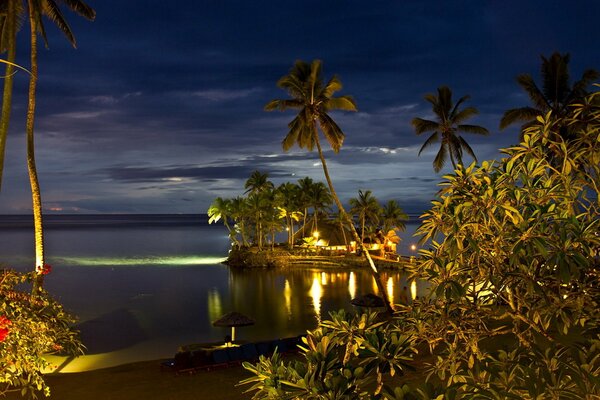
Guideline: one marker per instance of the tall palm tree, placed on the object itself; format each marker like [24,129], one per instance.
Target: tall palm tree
[556,93]
[9,11]
[258,182]
[259,205]
[446,128]
[367,208]
[393,217]
[37,8]
[340,219]
[314,100]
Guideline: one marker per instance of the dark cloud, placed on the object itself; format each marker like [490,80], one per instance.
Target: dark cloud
[162,92]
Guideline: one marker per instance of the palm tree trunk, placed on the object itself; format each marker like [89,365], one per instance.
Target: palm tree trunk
[31,168]
[11,32]
[359,243]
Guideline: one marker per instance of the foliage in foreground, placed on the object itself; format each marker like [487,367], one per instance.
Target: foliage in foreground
[514,269]
[31,326]
[347,357]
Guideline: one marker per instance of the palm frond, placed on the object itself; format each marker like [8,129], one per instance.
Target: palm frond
[440,159]
[430,140]
[52,11]
[463,115]
[475,129]
[345,103]
[331,87]
[424,125]
[291,138]
[522,114]
[555,78]
[81,8]
[283,104]
[332,132]
[464,145]
[579,88]
[536,96]
[453,114]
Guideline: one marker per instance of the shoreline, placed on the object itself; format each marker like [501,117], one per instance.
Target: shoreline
[303,257]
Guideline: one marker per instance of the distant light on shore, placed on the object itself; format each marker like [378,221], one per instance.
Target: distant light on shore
[141,261]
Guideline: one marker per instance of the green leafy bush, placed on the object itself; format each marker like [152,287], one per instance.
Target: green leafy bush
[31,326]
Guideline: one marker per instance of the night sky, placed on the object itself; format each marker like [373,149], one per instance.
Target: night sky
[160,108]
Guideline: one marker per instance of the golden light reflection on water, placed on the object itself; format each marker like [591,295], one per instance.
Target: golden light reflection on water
[287,294]
[374,286]
[215,307]
[390,289]
[352,285]
[316,292]
[413,290]
[323,278]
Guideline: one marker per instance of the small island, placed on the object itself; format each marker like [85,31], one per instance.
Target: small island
[301,213]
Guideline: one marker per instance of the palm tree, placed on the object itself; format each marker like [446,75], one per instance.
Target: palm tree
[239,212]
[556,93]
[305,184]
[286,199]
[320,201]
[314,99]
[393,217]
[259,205]
[221,209]
[257,183]
[49,8]
[340,219]
[8,32]
[448,123]
[367,208]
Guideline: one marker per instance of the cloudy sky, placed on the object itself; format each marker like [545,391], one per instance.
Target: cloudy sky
[160,108]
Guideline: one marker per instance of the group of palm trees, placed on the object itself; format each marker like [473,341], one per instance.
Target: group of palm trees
[11,14]
[556,94]
[265,210]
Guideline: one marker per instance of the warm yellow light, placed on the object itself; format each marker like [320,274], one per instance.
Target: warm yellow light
[287,295]
[390,290]
[413,290]
[316,234]
[352,285]
[413,247]
[316,291]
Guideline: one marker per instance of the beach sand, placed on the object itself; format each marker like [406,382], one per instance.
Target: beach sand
[146,380]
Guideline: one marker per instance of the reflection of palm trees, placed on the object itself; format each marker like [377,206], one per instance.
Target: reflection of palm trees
[314,100]
[446,128]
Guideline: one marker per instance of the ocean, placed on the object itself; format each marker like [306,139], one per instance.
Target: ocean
[143,285]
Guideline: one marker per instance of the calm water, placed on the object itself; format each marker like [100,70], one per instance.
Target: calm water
[144,285]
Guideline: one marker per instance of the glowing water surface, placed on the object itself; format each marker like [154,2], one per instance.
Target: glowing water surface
[142,291]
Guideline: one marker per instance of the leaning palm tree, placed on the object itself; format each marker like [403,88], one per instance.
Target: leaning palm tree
[556,93]
[446,128]
[37,8]
[314,99]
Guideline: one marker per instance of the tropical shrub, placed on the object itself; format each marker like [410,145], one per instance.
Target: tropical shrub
[31,326]
[514,267]
[347,357]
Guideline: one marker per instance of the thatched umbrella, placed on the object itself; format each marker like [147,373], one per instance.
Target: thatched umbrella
[368,300]
[233,319]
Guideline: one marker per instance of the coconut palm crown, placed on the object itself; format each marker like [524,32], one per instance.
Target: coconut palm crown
[315,100]
[446,128]
[556,93]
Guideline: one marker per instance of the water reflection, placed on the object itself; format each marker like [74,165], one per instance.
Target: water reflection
[288,302]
